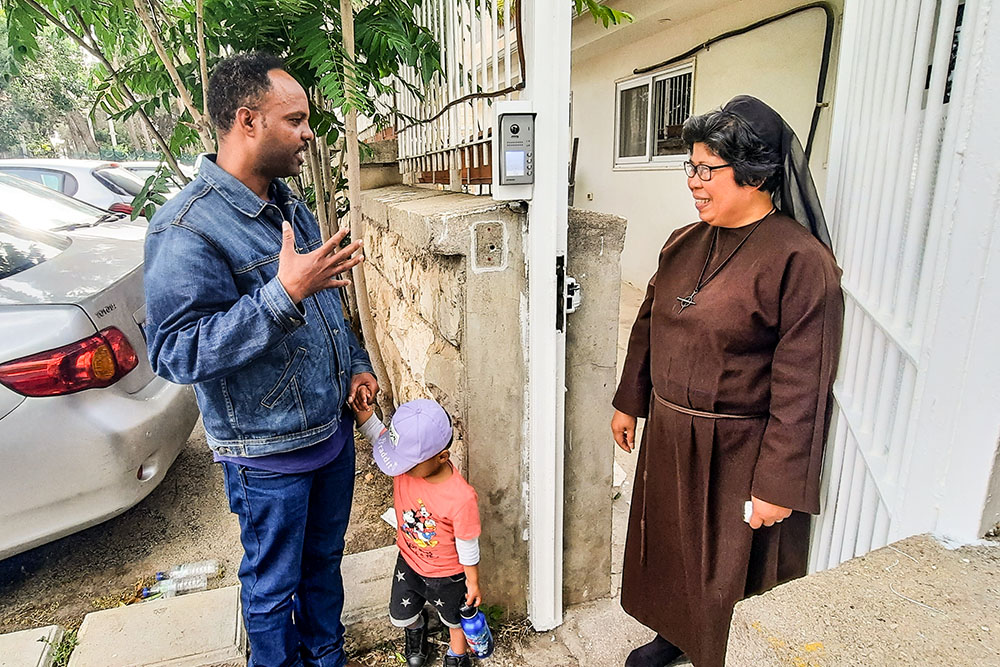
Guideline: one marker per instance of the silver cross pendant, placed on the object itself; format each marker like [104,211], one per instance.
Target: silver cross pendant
[687,300]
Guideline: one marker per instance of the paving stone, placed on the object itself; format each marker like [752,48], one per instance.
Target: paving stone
[29,648]
[197,630]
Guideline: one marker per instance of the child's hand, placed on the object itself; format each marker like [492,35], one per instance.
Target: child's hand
[472,595]
[362,398]
[361,404]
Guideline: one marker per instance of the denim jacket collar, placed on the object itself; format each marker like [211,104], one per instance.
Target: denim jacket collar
[236,192]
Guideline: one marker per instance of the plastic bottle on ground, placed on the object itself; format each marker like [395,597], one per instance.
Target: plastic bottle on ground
[210,568]
[477,631]
[168,588]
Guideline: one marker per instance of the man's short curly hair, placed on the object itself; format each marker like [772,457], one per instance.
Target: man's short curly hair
[754,162]
[239,81]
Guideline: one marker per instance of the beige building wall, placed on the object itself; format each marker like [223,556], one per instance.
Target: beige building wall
[779,63]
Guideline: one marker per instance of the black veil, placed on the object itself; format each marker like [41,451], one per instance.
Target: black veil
[797,196]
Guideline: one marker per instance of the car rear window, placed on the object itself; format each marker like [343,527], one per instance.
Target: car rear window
[121,180]
[35,206]
[21,249]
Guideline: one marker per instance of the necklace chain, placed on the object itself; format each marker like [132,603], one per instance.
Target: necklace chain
[687,301]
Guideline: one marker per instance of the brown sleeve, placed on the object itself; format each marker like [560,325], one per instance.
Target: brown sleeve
[636,384]
[802,374]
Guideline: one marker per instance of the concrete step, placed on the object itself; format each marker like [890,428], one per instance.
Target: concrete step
[206,628]
[30,648]
[195,630]
[915,602]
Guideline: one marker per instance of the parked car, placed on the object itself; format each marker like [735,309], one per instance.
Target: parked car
[37,207]
[87,429]
[103,184]
[146,168]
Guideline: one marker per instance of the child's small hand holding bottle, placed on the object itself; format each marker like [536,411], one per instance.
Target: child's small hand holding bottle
[473,598]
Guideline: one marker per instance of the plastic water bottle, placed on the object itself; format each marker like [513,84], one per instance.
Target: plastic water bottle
[477,631]
[168,588]
[209,568]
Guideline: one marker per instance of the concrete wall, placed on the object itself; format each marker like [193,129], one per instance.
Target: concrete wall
[446,280]
[595,245]
[778,63]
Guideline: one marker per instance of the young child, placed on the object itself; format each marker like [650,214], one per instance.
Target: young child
[437,519]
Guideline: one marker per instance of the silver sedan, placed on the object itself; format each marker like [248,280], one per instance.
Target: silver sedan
[86,429]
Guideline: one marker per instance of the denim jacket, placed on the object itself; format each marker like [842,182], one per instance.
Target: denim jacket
[270,376]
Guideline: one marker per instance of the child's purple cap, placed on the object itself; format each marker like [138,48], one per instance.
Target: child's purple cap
[419,430]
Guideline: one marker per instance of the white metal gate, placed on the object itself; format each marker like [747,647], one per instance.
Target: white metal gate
[895,166]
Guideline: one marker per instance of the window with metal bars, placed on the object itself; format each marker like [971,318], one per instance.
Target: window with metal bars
[650,113]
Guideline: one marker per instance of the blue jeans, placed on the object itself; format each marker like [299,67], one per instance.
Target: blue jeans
[292,528]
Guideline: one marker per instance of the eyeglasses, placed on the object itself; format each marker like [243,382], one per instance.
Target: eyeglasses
[704,171]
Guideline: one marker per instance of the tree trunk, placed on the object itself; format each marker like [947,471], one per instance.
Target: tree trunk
[384,398]
[78,126]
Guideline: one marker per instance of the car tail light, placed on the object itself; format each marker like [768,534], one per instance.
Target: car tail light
[98,361]
[119,207]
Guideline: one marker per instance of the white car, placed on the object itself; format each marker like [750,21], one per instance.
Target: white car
[103,184]
[146,168]
[87,429]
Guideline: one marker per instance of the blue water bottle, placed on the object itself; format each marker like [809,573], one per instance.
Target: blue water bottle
[477,631]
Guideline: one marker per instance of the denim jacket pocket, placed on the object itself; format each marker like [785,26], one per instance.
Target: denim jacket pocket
[286,378]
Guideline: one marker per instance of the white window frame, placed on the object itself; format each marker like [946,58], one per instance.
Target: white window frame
[648,161]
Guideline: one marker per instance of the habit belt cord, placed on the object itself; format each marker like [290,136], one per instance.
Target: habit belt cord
[645,451]
[701,413]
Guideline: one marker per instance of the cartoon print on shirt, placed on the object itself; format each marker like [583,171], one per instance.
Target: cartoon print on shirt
[420,526]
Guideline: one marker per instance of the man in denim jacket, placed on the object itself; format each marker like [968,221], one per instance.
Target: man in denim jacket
[240,303]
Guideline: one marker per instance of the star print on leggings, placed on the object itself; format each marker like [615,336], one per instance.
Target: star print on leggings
[439,602]
[406,602]
[400,576]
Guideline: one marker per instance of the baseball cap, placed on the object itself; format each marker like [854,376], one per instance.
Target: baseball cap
[419,430]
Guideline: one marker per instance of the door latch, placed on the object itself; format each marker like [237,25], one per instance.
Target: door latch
[569,295]
[573,295]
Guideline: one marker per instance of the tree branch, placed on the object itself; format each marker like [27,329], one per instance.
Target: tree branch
[168,62]
[202,57]
[113,73]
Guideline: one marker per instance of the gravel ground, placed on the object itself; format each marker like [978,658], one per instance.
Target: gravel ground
[186,518]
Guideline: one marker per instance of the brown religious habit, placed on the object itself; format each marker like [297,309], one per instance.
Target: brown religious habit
[735,385]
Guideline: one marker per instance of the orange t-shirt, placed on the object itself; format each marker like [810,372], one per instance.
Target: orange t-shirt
[429,518]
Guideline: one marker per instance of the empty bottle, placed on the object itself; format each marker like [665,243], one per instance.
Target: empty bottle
[477,631]
[209,568]
[168,588]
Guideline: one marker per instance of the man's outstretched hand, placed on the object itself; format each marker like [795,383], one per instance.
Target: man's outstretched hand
[305,274]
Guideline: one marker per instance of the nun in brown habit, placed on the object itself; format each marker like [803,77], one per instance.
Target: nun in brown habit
[731,361]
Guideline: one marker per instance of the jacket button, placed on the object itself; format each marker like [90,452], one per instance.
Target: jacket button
[295,320]
[336,332]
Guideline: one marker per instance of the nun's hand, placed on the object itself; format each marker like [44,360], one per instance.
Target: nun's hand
[623,429]
[767,514]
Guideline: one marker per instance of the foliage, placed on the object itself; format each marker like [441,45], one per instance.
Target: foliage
[62,650]
[36,99]
[601,12]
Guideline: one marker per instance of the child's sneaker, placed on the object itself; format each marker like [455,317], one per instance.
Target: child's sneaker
[457,660]
[416,643]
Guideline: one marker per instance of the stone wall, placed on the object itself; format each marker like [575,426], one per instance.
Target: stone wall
[450,330]
[446,281]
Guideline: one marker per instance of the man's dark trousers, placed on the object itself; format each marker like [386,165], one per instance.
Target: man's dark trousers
[292,527]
